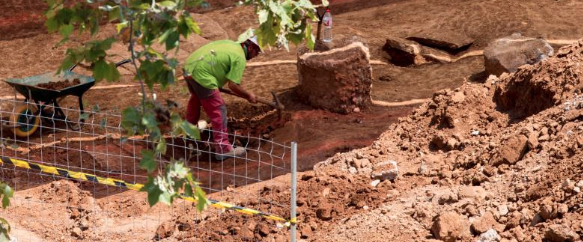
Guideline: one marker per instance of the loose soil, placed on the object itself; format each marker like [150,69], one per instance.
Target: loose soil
[506,147]
[59,84]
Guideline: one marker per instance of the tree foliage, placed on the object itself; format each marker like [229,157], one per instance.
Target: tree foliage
[144,24]
[6,193]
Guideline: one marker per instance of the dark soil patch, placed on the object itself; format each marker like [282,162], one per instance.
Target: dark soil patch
[60,84]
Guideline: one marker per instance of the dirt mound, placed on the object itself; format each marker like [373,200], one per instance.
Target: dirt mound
[526,172]
[60,84]
[537,87]
[323,200]
[82,210]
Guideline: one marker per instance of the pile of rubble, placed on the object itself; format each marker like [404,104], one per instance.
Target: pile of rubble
[504,157]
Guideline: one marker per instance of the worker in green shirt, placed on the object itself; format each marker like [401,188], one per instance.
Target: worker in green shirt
[206,70]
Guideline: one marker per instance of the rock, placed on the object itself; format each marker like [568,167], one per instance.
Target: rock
[513,150]
[375,183]
[307,176]
[324,213]
[580,184]
[306,232]
[562,209]
[450,226]
[403,52]
[447,198]
[576,190]
[484,223]
[451,144]
[489,236]
[361,163]
[245,233]
[422,168]
[514,219]
[165,230]
[573,115]
[547,210]
[544,137]
[532,141]
[386,170]
[502,210]
[443,39]
[77,232]
[262,229]
[439,141]
[568,185]
[560,232]
[509,53]
[458,97]
[475,193]
[326,192]
[536,220]
[338,80]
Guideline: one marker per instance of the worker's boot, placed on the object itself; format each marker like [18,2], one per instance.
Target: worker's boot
[235,152]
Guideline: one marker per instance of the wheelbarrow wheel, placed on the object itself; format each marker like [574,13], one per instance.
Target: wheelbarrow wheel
[25,120]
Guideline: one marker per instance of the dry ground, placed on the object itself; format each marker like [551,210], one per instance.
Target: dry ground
[395,216]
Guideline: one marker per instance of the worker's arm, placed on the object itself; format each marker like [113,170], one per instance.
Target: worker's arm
[239,90]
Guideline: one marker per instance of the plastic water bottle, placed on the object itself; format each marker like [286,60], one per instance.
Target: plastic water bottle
[327,22]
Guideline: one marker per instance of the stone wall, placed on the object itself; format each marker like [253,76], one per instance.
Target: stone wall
[338,80]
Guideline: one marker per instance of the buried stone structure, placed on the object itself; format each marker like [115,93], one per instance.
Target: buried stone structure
[338,80]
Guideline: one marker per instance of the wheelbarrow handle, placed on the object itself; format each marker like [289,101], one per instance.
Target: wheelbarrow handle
[122,62]
[118,64]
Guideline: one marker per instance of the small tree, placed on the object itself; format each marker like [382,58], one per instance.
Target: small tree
[145,23]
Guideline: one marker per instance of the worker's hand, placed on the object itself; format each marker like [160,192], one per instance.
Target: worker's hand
[252,98]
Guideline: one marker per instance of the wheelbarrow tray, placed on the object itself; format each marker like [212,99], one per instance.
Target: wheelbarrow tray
[28,86]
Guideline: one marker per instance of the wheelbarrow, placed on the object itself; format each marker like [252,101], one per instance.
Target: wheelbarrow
[26,118]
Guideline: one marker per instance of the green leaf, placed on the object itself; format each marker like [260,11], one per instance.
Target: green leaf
[167,4]
[149,120]
[188,191]
[190,130]
[161,147]
[112,73]
[131,120]
[172,40]
[4,230]
[121,26]
[66,30]
[311,40]
[246,35]
[100,70]
[166,198]
[153,191]
[148,162]
[8,192]
[263,15]
[201,199]
[164,36]
[193,26]
[52,25]
[114,14]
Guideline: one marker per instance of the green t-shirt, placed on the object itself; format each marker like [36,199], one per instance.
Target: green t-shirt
[216,63]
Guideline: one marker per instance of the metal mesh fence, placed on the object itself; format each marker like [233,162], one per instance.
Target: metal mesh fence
[74,171]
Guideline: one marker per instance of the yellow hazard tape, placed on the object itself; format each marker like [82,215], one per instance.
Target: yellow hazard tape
[133,186]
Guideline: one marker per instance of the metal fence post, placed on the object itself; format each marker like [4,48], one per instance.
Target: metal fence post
[294,185]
